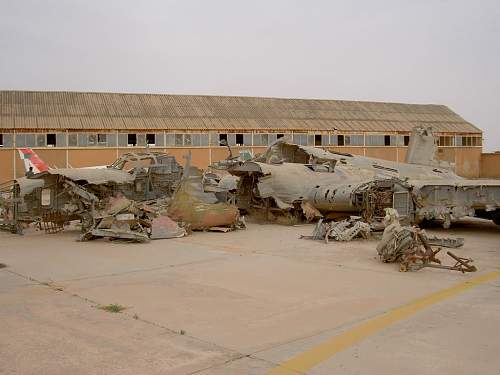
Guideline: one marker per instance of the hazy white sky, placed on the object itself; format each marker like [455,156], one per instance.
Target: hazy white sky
[427,51]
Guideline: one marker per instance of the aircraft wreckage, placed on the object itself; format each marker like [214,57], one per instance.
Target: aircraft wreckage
[298,182]
[149,195]
[140,196]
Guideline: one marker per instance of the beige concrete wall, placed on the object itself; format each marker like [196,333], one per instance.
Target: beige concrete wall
[468,161]
[7,164]
[89,157]
[490,165]
[447,154]
[387,153]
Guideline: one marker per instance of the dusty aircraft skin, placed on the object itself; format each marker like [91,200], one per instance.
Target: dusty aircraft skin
[196,201]
[289,177]
[68,194]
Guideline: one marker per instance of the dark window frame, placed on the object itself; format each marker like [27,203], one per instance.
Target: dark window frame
[148,139]
[239,139]
[387,140]
[318,140]
[99,138]
[223,137]
[340,140]
[50,140]
[131,139]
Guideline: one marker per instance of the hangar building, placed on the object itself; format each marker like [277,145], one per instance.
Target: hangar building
[77,129]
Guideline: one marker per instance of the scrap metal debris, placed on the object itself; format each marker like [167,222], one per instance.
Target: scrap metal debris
[125,219]
[410,247]
[451,242]
[141,196]
[344,230]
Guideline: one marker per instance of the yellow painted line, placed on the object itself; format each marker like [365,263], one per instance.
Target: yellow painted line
[314,356]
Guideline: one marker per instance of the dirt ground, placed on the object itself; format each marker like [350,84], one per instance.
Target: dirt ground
[239,303]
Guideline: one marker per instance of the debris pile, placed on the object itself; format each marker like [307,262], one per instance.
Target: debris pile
[141,196]
[126,219]
[410,247]
[344,230]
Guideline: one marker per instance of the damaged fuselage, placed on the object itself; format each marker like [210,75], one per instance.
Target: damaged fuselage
[307,181]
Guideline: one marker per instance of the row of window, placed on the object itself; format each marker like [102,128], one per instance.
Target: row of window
[214,139]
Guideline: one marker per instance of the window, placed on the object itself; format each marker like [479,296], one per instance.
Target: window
[260,139]
[406,140]
[466,141]
[387,140]
[195,139]
[354,140]
[61,140]
[310,139]
[375,140]
[265,139]
[204,139]
[92,140]
[239,140]
[188,141]
[317,140]
[51,140]
[131,139]
[1,140]
[102,139]
[179,140]
[40,140]
[300,139]
[150,139]
[445,141]
[279,135]
[141,140]
[30,140]
[222,139]
[170,139]
[247,139]
[20,140]
[72,139]
[340,140]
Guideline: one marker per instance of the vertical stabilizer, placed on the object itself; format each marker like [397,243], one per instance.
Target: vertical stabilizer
[423,148]
[32,160]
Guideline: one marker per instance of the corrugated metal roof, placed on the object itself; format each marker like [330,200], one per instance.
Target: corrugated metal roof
[28,110]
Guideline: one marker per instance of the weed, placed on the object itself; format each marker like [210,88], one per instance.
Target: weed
[112,308]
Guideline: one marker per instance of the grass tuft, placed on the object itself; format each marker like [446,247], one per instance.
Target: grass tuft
[112,308]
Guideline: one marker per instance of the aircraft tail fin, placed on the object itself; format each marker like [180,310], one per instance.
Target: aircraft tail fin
[423,148]
[31,159]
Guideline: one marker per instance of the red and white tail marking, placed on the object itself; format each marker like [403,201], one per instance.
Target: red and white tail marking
[31,159]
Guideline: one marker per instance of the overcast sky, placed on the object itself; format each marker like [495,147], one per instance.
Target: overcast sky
[427,51]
